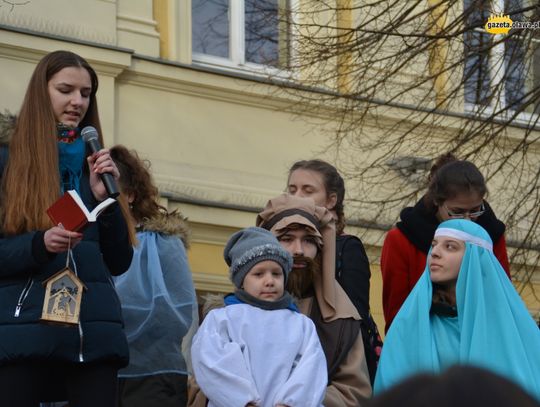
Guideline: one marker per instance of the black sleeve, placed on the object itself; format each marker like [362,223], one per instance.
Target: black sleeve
[353,273]
[3,158]
[114,240]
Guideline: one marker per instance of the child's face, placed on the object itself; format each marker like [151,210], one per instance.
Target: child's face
[265,281]
[445,260]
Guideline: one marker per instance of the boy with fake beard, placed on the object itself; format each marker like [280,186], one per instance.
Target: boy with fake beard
[308,233]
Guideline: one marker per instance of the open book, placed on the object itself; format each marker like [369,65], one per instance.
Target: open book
[70,211]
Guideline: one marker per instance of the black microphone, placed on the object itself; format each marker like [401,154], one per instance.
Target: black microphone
[90,136]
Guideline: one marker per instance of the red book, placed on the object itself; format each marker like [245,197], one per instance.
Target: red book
[70,211]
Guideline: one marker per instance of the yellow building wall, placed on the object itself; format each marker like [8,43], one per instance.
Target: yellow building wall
[375,297]
[220,141]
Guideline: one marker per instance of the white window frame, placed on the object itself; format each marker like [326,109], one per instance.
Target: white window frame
[497,70]
[237,62]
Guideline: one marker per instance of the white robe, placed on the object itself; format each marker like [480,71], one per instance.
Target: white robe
[244,354]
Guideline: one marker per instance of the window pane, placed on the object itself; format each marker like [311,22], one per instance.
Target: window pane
[515,54]
[266,32]
[477,47]
[522,58]
[210,27]
[535,76]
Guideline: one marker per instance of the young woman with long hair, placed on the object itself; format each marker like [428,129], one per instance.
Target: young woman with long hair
[46,156]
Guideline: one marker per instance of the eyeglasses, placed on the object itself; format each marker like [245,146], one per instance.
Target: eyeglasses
[462,214]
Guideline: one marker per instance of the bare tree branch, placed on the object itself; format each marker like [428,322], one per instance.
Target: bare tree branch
[409,81]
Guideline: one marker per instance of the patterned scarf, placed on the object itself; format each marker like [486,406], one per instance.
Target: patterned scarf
[71,154]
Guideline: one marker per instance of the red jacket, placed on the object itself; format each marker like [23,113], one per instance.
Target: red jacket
[402,264]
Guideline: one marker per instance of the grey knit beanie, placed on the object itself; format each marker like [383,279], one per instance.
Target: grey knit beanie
[250,246]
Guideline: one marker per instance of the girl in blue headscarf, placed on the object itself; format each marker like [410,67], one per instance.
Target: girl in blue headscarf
[463,310]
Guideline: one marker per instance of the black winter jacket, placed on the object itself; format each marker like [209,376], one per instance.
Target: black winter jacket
[25,264]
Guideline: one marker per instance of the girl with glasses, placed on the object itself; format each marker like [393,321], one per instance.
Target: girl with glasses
[456,191]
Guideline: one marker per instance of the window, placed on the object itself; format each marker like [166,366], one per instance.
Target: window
[241,32]
[501,71]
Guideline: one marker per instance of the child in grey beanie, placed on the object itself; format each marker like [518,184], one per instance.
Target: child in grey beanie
[259,350]
[255,252]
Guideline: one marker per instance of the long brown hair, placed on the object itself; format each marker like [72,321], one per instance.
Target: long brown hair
[136,182]
[31,180]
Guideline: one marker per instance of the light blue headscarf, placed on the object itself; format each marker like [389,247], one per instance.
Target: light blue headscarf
[492,329]
[158,305]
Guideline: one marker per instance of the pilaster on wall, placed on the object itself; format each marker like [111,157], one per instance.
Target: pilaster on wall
[136,27]
[184,32]
[173,20]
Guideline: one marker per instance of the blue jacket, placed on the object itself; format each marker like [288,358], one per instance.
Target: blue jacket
[25,264]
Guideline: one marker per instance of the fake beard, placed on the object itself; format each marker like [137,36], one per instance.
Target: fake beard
[300,280]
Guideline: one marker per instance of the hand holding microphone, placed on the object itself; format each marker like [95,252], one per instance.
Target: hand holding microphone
[90,136]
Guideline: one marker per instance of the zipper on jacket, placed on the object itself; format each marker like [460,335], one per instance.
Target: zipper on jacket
[70,255]
[81,336]
[23,296]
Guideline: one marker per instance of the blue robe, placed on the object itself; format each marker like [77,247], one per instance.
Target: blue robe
[158,304]
[493,329]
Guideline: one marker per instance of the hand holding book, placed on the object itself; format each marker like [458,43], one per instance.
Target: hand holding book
[59,240]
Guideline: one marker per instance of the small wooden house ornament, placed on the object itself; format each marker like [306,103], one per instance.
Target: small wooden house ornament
[63,295]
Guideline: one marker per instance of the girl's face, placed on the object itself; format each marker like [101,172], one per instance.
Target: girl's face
[265,281]
[445,259]
[462,206]
[69,90]
[310,183]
